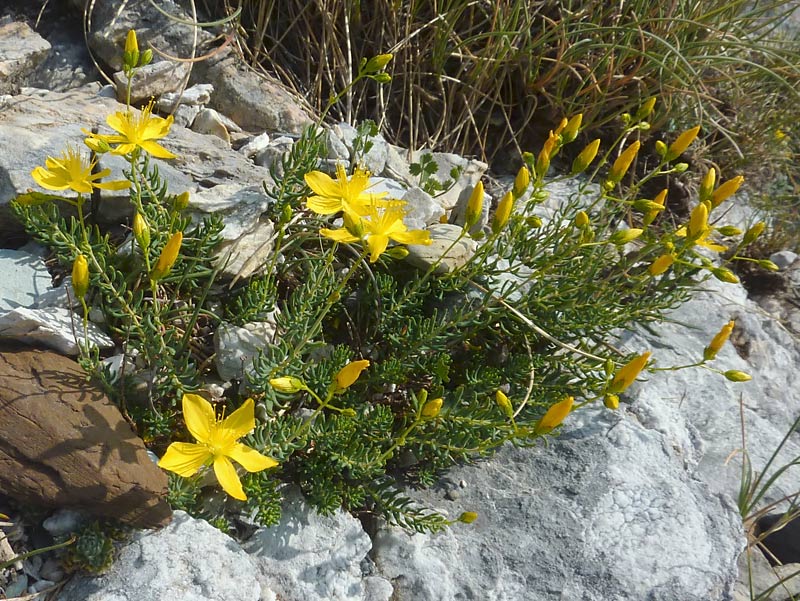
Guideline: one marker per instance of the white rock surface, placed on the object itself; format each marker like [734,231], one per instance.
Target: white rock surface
[448,249]
[189,560]
[151,81]
[21,49]
[24,279]
[198,94]
[310,557]
[236,347]
[54,327]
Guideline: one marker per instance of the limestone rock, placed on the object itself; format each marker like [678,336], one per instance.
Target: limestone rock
[236,347]
[373,160]
[249,253]
[588,517]
[313,557]
[55,327]
[448,248]
[240,206]
[252,101]
[189,560]
[152,80]
[21,49]
[23,279]
[196,95]
[64,444]
[270,156]
[783,258]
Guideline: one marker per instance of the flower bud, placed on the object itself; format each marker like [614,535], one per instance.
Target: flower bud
[581,219]
[729,230]
[287,384]
[376,63]
[679,146]
[661,148]
[754,232]
[680,167]
[628,373]
[534,221]
[767,264]
[521,181]
[624,236]
[646,109]
[130,56]
[611,401]
[737,376]
[80,276]
[182,201]
[432,408]
[660,200]
[724,274]
[586,156]
[141,231]
[504,403]
[661,264]
[98,145]
[146,58]
[570,131]
[503,212]
[707,186]
[645,205]
[382,77]
[623,163]
[474,206]
[397,252]
[168,257]
[719,340]
[698,222]
[468,517]
[725,190]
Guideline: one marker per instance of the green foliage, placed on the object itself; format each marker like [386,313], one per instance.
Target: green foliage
[426,170]
[93,550]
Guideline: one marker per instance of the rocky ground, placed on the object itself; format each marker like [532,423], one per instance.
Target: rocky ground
[631,505]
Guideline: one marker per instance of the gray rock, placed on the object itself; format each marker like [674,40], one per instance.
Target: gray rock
[373,161]
[270,157]
[209,121]
[195,95]
[152,80]
[397,166]
[449,250]
[311,557]
[65,521]
[588,517]
[249,252]
[254,102]
[255,145]
[189,560]
[21,49]
[783,258]
[240,206]
[236,347]
[54,327]
[185,114]
[336,148]
[24,279]
[755,570]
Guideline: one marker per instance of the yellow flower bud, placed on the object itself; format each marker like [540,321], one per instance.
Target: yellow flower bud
[737,376]
[679,146]
[554,416]
[698,221]
[725,190]
[716,344]
[131,44]
[521,182]
[382,77]
[534,221]
[504,403]
[349,374]
[130,56]
[623,163]
[468,517]
[661,148]
[168,257]
[646,109]
[767,264]
[561,127]
[585,158]
[628,373]
[754,232]
[503,212]
[661,264]
[611,401]
[397,252]
[660,200]
[80,276]
[680,167]
[474,206]
[543,160]
[376,63]
[581,219]
[432,408]
[624,236]
[707,186]
[570,131]
[729,230]
[725,275]
[287,384]
[182,201]
[141,231]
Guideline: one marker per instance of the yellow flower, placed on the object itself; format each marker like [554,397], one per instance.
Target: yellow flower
[71,170]
[217,443]
[432,408]
[503,212]
[554,416]
[377,229]
[651,214]
[581,219]
[80,276]
[661,264]
[135,131]
[679,146]
[716,344]
[168,256]
[340,194]
[623,163]
[628,373]
[647,108]
[349,374]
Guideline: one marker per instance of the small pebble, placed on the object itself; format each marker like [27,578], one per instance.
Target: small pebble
[64,521]
[39,586]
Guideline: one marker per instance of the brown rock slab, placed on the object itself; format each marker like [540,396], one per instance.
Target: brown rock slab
[64,444]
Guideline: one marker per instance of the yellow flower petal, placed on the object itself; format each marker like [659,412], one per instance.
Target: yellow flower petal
[185,458]
[228,478]
[412,237]
[554,416]
[322,184]
[350,373]
[324,205]
[240,422]
[199,416]
[338,235]
[250,459]
[377,244]
[628,373]
[155,149]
